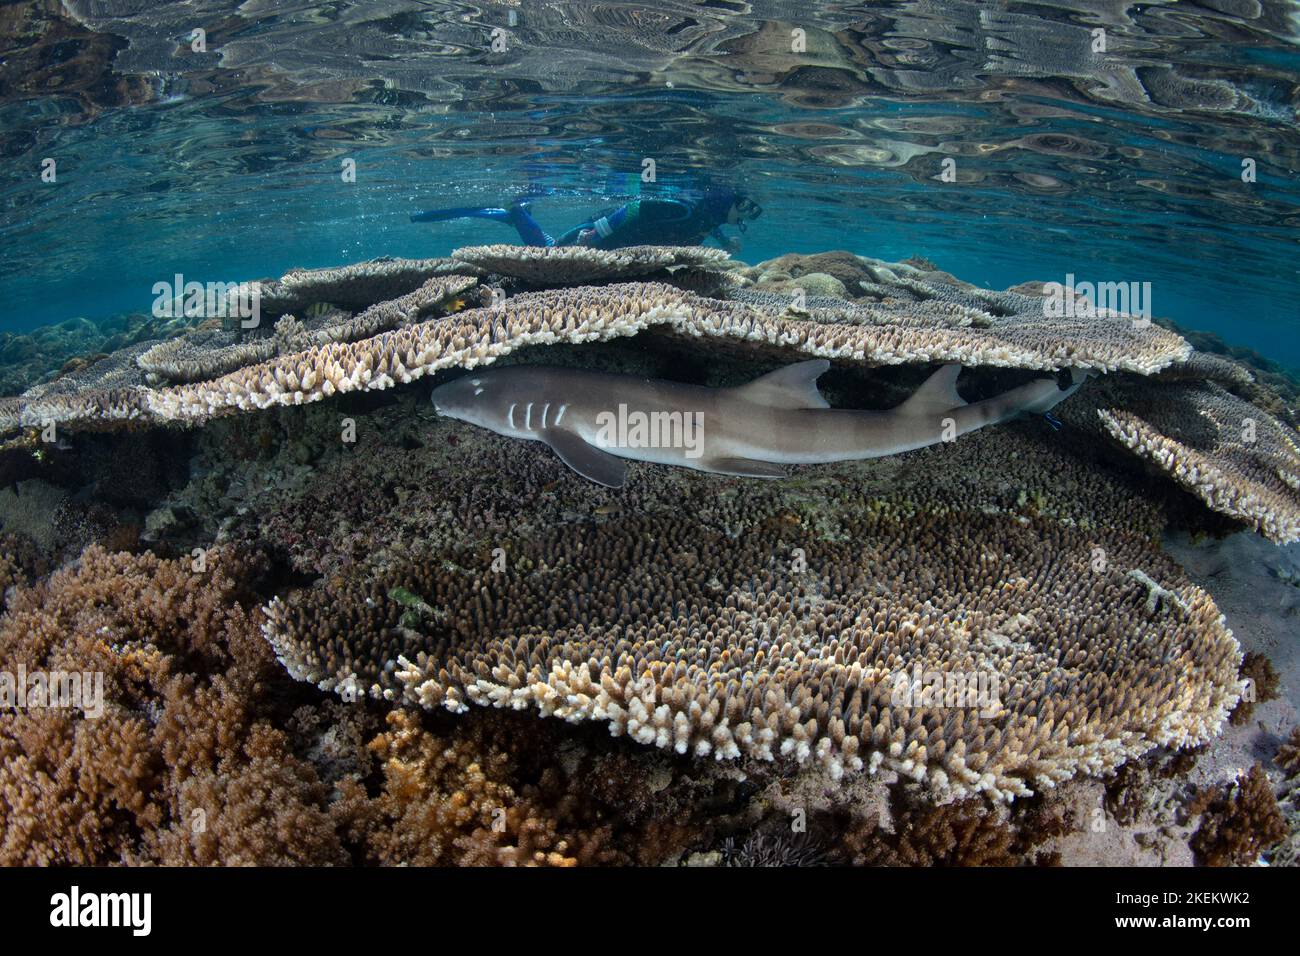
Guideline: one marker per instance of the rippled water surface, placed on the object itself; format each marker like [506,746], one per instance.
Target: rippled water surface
[1104,139]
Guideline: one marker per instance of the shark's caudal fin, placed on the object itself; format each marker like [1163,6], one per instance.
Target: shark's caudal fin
[936,395]
[794,386]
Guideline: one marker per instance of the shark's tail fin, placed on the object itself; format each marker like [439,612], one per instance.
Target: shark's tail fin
[1051,393]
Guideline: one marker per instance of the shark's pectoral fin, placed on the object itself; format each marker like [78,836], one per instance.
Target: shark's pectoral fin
[744,467]
[588,460]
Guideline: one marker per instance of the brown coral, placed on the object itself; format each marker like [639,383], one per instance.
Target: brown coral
[1288,754]
[81,789]
[197,758]
[1262,685]
[1239,821]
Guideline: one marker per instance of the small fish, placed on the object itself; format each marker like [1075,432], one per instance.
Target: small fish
[317,309]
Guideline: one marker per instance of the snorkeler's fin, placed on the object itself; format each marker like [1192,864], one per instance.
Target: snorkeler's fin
[517,215]
[462,212]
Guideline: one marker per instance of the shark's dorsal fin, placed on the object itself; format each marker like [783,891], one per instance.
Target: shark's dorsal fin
[794,386]
[587,460]
[937,394]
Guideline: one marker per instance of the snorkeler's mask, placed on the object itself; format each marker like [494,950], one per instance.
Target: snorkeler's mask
[746,210]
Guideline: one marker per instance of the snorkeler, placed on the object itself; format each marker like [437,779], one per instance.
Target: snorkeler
[669,222]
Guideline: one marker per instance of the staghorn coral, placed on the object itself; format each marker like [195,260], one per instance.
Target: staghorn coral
[1239,821]
[21,561]
[575,265]
[446,801]
[965,833]
[1238,459]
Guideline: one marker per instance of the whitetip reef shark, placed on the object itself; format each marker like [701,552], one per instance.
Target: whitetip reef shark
[596,420]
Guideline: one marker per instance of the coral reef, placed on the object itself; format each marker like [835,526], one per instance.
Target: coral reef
[732,650]
[934,655]
[357,286]
[77,788]
[1238,459]
[1239,821]
[584,314]
[575,265]
[1288,754]
[205,754]
[207,353]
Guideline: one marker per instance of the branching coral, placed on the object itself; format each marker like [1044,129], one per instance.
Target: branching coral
[1262,685]
[1239,821]
[203,756]
[1288,754]
[76,788]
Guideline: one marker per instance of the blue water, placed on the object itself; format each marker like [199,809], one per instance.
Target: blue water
[226,166]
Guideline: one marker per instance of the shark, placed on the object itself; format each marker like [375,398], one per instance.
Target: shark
[597,421]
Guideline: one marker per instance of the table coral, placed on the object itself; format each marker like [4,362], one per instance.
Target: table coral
[574,265]
[701,637]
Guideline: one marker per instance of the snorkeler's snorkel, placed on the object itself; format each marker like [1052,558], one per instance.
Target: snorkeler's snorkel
[746,211]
